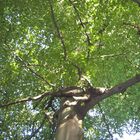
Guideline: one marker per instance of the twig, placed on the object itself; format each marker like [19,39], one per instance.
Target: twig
[37,130]
[79,71]
[26,64]
[105,121]
[81,22]
[83,26]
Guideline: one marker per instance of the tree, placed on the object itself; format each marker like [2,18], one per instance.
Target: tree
[59,59]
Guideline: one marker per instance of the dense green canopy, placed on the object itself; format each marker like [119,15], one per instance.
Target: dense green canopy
[45,45]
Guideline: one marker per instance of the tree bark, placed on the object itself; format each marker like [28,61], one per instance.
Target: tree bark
[69,124]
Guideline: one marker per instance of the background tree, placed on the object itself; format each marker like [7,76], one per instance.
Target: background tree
[59,59]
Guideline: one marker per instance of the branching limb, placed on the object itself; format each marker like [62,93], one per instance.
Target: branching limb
[122,87]
[96,94]
[81,22]
[88,40]
[35,98]
[58,30]
[66,92]
[102,93]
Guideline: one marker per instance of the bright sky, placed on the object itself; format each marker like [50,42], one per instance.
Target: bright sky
[128,137]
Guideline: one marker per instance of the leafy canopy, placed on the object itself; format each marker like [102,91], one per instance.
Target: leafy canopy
[47,44]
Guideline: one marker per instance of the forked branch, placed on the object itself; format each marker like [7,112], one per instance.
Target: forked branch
[97,94]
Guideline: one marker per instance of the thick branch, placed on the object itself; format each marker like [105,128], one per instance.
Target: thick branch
[121,87]
[67,92]
[35,98]
[98,94]
[137,1]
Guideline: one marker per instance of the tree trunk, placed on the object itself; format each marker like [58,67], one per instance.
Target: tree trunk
[69,125]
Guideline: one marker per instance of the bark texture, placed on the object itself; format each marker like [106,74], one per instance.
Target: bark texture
[69,125]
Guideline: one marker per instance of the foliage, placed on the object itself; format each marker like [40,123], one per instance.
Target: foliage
[100,40]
